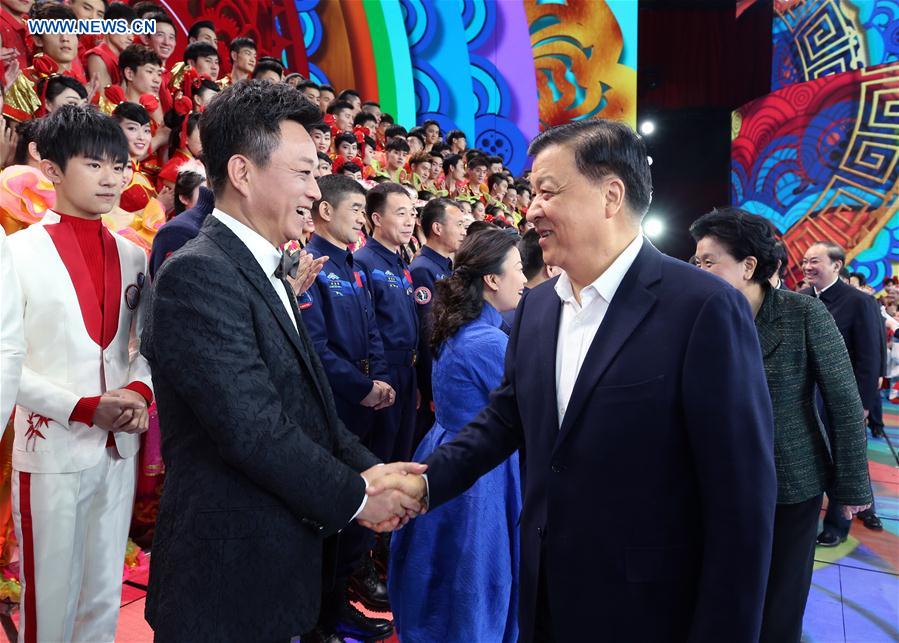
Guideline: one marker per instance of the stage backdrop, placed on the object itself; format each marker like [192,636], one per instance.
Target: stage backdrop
[820,155]
[499,70]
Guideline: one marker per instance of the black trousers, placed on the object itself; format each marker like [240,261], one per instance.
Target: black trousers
[790,574]
[543,622]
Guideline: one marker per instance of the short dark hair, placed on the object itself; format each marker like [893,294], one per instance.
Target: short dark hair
[52,86]
[744,235]
[185,184]
[394,130]
[339,106]
[347,93]
[307,84]
[478,161]
[199,25]
[419,158]
[602,147]
[75,130]
[386,118]
[449,162]
[862,279]
[161,17]
[132,112]
[495,159]
[429,122]
[134,56]
[364,117]
[242,43]
[835,251]
[268,64]
[376,198]
[345,137]
[435,212]
[371,103]
[335,188]
[349,166]
[844,273]
[321,126]
[246,119]
[493,179]
[27,132]
[417,132]
[324,157]
[455,134]
[50,10]
[119,11]
[780,253]
[399,144]
[531,254]
[327,88]
[438,148]
[146,7]
[200,49]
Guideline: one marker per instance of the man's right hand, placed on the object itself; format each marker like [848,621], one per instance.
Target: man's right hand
[392,506]
[112,407]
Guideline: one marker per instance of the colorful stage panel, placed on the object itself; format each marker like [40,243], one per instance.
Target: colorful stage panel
[815,38]
[821,160]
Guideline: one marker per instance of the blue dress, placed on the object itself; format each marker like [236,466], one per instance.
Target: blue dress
[454,571]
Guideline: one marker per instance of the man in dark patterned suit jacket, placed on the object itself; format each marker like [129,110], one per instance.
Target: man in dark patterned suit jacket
[259,467]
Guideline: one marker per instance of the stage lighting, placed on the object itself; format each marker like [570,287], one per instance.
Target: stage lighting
[649,160]
[653,227]
[647,128]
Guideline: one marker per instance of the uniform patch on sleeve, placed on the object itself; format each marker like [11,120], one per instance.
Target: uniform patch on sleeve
[422,296]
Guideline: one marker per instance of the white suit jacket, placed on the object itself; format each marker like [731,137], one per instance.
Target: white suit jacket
[12,341]
[65,358]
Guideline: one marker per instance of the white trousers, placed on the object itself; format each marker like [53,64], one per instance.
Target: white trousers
[73,531]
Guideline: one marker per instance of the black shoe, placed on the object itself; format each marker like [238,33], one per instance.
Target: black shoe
[321,635]
[366,587]
[354,624]
[829,539]
[870,520]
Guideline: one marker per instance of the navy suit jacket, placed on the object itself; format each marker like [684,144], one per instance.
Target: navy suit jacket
[857,315]
[180,230]
[652,507]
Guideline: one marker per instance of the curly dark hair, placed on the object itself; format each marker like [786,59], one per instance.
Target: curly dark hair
[459,298]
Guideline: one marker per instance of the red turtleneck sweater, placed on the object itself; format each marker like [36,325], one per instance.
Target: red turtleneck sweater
[89,235]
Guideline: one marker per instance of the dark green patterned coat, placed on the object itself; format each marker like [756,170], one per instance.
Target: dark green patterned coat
[802,348]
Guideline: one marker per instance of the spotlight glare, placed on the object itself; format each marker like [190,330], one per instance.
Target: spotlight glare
[647,128]
[653,227]
[649,160]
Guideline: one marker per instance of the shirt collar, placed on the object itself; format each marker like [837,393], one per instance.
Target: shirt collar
[828,287]
[436,257]
[334,253]
[267,255]
[381,249]
[491,315]
[608,282]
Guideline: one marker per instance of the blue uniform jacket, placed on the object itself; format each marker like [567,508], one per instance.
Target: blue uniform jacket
[339,314]
[427,268]
[390,283]
[180,230]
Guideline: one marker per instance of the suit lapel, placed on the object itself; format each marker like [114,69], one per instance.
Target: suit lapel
[546,335]
[770,336]
[247,264]
[630,305]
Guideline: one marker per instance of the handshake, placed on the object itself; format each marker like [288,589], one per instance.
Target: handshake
[396,494]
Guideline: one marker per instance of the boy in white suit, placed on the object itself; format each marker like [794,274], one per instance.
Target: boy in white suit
[12,342]
[84,392]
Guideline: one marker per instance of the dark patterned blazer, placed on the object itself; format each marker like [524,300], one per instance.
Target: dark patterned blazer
[802,348]
[259,469]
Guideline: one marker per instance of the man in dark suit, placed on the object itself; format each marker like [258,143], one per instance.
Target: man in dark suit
[259,467]
[859,322]
[628,356]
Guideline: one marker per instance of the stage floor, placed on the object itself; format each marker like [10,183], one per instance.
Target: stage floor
[855,588]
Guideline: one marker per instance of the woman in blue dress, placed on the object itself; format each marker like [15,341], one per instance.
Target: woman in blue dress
[454,571]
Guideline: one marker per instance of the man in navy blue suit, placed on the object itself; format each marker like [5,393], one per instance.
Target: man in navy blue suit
[635,389]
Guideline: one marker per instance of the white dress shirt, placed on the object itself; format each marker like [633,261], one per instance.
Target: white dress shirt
[268,256]
[580,321]
[12,336]
[818,292]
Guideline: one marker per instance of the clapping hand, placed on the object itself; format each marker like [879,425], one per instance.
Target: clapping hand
[395,492]
[307,270]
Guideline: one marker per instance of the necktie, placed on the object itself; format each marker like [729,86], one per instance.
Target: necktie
[288,266]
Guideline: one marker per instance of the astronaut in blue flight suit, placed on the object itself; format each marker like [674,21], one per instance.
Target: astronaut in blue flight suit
[339,312]
[443,223]
[392,214]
